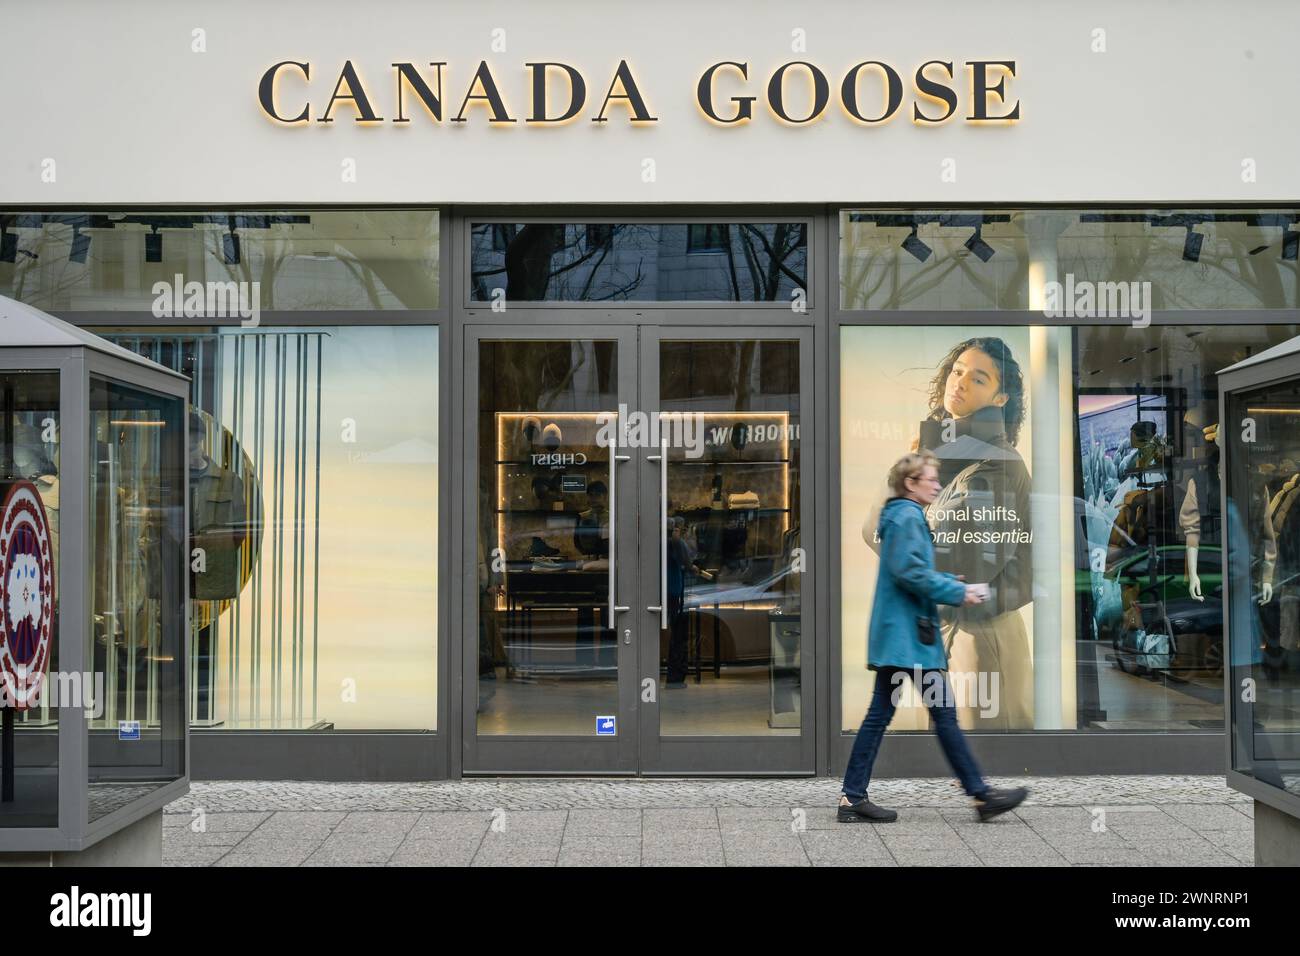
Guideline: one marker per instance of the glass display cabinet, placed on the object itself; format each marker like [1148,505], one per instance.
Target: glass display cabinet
[93,586]
[1259,433]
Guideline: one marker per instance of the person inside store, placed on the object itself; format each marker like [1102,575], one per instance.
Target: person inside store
[903,641]
[591,539]
[977,411]
[680,560]
[591,534]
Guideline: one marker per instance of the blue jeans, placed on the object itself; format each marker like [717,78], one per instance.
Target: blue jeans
[943,712]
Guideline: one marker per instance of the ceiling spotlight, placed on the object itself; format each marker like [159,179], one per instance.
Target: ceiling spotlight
[1290,245]
[153,246]
[916,247]
[977,245]
[80,246]
[1192,245]
[230,248]
[8,246]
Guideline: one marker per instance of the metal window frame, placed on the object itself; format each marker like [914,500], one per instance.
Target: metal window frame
[413,755]
[287,317]
[340,755]
[734,754]
[1040,752]
[468,216]
[583,317]
[1027,316]
[530,754]
[1277,371]
[75,366]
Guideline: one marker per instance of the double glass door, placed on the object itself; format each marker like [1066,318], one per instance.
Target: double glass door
[639,535]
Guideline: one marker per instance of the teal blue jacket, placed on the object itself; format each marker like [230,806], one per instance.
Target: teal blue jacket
[908,588]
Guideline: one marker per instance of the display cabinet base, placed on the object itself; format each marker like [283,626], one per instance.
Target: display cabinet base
[139,844]
[1277,837]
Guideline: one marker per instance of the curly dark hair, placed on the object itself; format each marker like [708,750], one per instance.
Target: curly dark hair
[1010,381]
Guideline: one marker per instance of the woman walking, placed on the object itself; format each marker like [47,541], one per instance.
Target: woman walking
[904,642]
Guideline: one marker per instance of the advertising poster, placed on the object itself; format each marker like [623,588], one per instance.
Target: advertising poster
[964,394]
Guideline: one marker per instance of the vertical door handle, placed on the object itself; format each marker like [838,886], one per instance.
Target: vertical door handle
[614,459]
[662,458]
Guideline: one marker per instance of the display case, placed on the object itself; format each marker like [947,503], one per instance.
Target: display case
[729,501]
[1259,433]
[552,527]
[93,585]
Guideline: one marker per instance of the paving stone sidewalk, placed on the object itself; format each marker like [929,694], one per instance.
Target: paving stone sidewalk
[1067,821]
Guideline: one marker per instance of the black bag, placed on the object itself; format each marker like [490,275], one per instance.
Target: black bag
[925,630]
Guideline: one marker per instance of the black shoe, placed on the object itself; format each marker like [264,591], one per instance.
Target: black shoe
[864,809]
[540,549]
[999,801]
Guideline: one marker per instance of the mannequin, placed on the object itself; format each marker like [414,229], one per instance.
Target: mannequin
[1189,513]
[1143,508]
[1189,520]
[1283,522]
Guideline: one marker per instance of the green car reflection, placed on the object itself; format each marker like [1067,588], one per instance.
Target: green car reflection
[1148,616]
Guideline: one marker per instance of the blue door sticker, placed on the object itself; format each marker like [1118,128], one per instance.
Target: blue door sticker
[128,730]
[606,727]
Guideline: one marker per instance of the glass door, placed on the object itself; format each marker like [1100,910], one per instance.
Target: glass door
[550,541]
[725,539]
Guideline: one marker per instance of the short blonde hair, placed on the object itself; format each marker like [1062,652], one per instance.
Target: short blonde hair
[909,466]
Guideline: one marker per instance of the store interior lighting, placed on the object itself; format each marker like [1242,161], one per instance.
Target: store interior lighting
[955,220]
[1286,222]
[916,247]
[82,223]
[977,245]
[230,248]
[80,246]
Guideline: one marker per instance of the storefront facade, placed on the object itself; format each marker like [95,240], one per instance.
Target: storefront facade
[534,443]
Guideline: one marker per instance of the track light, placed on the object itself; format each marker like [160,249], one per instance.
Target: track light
[916,247]
[153,246]
[230,248]
[1192,245]
[80,246]
[977,245]
[8,246]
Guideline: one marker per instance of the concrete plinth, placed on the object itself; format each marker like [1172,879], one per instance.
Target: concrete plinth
[1277,837]
[139,844]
